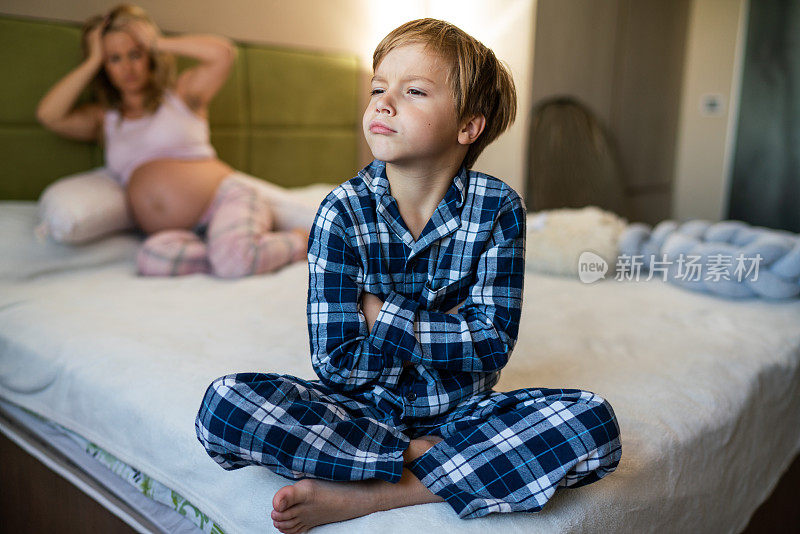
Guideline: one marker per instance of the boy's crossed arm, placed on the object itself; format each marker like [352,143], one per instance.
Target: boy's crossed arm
[371,306]
[355,343]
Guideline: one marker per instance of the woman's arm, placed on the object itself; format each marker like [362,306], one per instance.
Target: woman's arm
[197,85]
[55,111]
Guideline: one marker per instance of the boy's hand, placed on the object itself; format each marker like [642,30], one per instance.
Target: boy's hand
[370,306]
[455,308]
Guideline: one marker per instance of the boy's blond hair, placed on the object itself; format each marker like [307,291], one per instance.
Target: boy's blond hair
[481,84]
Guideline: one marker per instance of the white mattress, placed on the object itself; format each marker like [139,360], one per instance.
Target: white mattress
[706,390]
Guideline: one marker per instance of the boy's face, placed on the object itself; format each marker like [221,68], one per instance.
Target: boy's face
[411,117]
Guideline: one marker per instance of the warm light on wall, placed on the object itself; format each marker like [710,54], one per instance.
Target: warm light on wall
[383,17]
[491,22]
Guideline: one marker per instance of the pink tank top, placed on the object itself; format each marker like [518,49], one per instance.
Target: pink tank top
[173,131]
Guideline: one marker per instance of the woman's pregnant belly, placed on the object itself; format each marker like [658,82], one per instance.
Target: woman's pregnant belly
[173,194]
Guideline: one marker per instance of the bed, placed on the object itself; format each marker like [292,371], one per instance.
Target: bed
[102,372]
[705,389]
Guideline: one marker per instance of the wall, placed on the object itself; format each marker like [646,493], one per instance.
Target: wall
[647,85]
[623,59]
[642,66]
[352,26]
[714,59]
[574,52]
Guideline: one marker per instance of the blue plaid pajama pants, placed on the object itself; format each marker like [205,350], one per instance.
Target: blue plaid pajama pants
[501,452]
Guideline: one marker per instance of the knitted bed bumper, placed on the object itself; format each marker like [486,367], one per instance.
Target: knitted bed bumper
[727,258]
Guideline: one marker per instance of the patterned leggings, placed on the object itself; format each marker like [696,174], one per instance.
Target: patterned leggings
[239,238]
[501,452]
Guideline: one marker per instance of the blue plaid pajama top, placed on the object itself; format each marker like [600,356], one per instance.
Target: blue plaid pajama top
[418,361]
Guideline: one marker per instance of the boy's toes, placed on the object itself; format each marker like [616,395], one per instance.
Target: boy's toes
[285,498]
[287,527]
[281,516]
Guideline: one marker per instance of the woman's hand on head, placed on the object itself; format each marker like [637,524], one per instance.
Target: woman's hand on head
[146,34]
[94,40]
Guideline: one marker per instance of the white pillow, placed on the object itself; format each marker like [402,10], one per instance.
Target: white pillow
[299,208]
[556,238]
[293,207]
[82,207]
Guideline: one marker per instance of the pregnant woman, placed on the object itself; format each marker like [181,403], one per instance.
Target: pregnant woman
[154,130]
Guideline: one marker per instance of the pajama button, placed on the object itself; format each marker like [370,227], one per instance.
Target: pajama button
[411,396]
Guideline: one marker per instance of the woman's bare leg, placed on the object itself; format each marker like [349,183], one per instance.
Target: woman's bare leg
[312,502]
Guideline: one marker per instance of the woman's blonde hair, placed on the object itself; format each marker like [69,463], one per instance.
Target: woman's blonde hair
[481,84]
[162,65]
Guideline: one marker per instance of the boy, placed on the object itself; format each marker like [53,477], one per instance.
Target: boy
[415,290]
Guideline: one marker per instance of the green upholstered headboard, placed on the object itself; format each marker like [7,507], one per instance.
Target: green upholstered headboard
[287,116]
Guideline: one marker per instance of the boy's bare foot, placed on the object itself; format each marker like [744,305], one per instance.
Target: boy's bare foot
[312,502]
[309,503]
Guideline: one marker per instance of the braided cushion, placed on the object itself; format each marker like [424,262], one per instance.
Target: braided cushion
[778,272]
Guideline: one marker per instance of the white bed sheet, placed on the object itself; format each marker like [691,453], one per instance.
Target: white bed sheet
[706,390]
